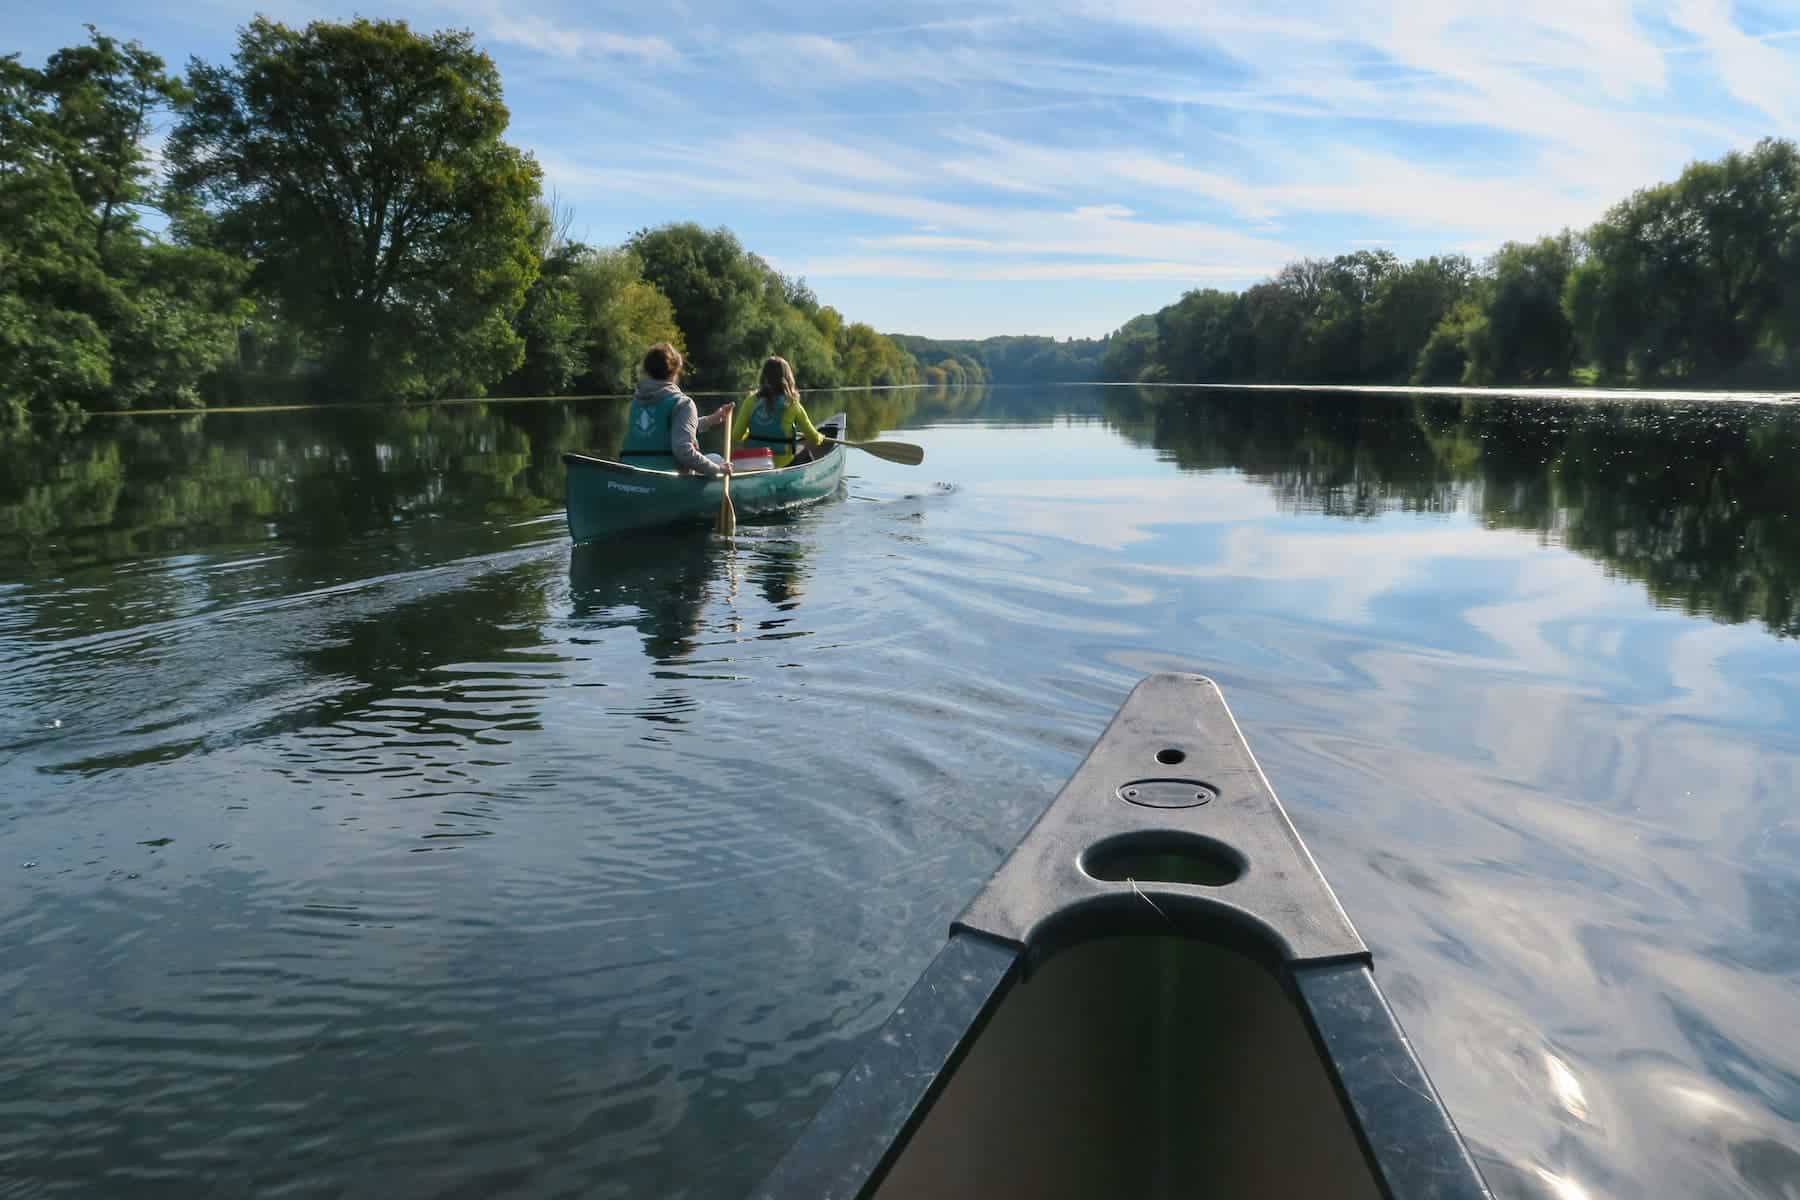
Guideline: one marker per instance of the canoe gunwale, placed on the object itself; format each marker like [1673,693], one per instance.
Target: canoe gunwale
[864,1127]
[575,458]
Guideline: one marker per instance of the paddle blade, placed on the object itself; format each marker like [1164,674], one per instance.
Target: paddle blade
[904,453]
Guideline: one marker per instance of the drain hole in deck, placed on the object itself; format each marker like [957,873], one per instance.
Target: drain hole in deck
[1170,757]
[1164,858]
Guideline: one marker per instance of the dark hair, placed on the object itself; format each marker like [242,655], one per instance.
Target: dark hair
[662,361]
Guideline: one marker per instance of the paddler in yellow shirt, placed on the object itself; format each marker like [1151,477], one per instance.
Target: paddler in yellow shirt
[775,418]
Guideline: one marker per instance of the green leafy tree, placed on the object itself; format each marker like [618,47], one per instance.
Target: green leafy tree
[829,321]
[1347,287]
[93,313]
[620,315]
[865,358]
[1195,335]
[549,321]
[1131,351]
[721,296]
[361,168]
[782,329]
[1407,305]
[1691,278]
[1444,359]
[179,326]
[53,350]
[1272,328]
[106,97]
[1528,335]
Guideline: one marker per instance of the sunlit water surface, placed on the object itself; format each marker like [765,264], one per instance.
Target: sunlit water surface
[362,838]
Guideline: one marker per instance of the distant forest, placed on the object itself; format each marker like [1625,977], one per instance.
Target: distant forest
[1005,359]
[1695,282]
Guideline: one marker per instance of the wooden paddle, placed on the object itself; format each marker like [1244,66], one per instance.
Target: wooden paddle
[905,453]
[727,514]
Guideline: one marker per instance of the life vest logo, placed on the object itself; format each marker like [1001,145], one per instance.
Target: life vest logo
[645,421]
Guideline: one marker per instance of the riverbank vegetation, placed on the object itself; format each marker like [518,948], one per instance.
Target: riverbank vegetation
[1695,282]
[300,238]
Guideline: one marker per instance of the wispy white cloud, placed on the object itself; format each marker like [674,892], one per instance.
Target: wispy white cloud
[1379,186]
[1051,170]
[780,155]
[901,267]
[1098,230]
[801,62]
[506,23]
[925,241]
[1752,69]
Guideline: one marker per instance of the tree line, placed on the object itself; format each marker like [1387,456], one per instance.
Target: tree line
[1691,282]
[336,214]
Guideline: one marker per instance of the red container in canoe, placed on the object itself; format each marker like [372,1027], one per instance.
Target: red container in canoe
[756,458]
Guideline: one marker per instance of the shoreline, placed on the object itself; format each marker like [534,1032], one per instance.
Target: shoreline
[1555,392]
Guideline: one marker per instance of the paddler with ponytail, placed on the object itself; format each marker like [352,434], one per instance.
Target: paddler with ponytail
[774,417]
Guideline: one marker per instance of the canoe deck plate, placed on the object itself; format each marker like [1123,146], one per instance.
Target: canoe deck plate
[1167,793]
[1169,719]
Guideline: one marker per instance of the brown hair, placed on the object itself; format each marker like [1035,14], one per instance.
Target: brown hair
[662,361]
[777,380]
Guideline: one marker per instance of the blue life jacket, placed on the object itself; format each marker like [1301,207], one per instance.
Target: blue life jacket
[767,428]
[647,428]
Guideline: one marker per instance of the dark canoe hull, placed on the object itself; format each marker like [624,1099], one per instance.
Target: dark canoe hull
[1158,996]
[605,497]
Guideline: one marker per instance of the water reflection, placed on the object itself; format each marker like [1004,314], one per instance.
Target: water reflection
[383,826]
[657,583]
[120,489]
[1694,501]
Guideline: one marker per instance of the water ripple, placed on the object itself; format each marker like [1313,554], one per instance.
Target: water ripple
[447,859]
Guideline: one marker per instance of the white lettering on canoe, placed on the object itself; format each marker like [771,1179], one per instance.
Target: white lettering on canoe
[628,487]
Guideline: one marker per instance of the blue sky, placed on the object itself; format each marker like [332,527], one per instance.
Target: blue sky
[1057,166]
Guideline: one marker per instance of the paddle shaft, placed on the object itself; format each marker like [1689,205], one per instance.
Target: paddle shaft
[727,514]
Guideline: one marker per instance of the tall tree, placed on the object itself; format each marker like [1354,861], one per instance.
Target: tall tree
[549,320]
[106,97]
[1688,278]
[1195,335]
[1406,306]
[621,313]
[1444,358]
[360,166]
[93,311]
[1273,329]
[1132,351]
[1529,337]
[721,294]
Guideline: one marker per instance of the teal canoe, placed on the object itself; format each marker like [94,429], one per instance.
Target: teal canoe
[606,497]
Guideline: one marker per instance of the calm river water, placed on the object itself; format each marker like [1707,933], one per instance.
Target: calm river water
[362,839]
